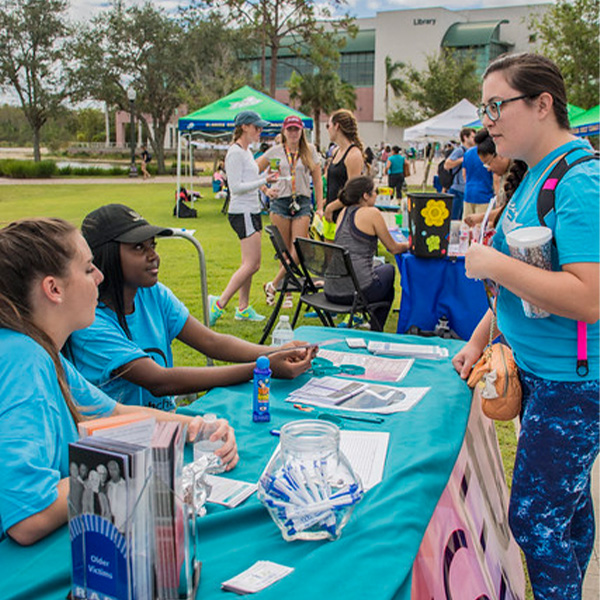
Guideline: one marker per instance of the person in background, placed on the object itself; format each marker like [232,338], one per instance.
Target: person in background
[244,210]
[551,513]
[291,205]
[262,149]
[359,227]
[479,188]
[369,161]
[347,161]
[146,158]
[507,173]
[454,163]
[48,289]
[126,351]
[394,169]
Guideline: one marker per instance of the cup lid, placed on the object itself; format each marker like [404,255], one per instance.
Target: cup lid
[529,237]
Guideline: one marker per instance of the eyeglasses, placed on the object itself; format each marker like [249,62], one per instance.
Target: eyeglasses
[488,164]
[492,109]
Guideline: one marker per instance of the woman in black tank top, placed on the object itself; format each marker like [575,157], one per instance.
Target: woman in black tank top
[343,131]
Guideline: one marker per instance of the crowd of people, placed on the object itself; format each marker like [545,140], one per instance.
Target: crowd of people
[86,327]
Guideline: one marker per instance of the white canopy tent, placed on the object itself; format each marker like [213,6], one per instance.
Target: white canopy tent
[443,127]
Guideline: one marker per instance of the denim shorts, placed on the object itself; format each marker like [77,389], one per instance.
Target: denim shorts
[281,207]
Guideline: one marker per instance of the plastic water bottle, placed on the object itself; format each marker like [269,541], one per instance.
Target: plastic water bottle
[283,333]
[261,390]
[204,447]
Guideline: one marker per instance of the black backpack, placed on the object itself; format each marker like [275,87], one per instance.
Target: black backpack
[445,176]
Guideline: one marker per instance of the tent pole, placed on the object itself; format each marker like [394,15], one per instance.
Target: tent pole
[178,172]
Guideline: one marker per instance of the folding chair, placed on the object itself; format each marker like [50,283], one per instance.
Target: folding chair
[330,262]
[293,280]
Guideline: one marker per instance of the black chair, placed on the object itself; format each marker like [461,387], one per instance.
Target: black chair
[330,262]
[293,280]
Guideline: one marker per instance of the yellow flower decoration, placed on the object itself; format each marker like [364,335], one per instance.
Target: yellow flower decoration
[435,213]
[433,242]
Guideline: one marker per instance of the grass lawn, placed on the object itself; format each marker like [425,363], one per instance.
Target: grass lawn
[179,268]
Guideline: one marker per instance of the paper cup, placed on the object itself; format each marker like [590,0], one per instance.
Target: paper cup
[532,245]
[274,163]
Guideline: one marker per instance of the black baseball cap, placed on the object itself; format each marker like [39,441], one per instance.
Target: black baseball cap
[118,223]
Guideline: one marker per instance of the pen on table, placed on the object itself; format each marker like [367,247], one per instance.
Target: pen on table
[303,408]
[377,420]
[274,432]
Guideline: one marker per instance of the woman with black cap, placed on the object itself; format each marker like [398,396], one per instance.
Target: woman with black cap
[127,350]
[244,214]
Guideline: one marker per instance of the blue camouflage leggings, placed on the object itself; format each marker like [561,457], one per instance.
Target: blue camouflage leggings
[551,513]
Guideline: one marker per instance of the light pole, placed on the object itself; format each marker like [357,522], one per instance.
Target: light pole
[131,94]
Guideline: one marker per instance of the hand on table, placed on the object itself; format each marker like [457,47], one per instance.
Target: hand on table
[293,362]
[464,360]
[228,452]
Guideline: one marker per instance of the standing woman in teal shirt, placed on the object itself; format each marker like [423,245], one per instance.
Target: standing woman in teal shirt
[394,167]
[48,289]
[551,515]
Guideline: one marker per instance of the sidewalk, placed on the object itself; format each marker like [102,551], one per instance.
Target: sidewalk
[203,180]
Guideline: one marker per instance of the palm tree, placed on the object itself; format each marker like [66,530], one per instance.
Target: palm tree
[321,92]
[393,83]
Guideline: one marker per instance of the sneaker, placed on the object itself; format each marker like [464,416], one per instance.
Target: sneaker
[214,311]
[248,314]
[270,292]
[288,302]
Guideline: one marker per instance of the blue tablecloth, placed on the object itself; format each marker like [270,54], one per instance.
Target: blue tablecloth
[437,287]
[374,556]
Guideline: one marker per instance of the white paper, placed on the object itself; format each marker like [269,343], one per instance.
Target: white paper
[259,576]
[413,350]
[328,390]
[371,397]
[228,492]
[376,367]
[366,451]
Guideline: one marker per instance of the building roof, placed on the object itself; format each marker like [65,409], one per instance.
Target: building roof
[477,33]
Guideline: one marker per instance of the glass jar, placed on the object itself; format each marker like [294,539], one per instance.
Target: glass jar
[309,487]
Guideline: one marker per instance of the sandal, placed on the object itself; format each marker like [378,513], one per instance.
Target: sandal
[270,292]
[288,302]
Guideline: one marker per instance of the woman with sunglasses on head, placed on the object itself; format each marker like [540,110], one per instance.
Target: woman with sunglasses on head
[244,181]
[49,289]
[347,161]
[299,162]
[551,514]
[359,228]
[127,350]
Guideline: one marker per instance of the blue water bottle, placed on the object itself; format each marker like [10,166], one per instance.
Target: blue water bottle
[260,393]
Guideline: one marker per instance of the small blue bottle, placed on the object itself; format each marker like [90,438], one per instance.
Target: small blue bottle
[260,393]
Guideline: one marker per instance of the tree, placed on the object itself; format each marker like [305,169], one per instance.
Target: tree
[213,68]
[32,51]
[568,32]
[446,80]
[140,47]
[273,20]
[393,83]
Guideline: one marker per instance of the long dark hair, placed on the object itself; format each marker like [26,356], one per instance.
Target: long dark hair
[107,258]
[31,249]
[355,189]
[533,74]
[348,126]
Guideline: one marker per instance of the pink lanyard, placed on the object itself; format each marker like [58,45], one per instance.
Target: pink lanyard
[582,356]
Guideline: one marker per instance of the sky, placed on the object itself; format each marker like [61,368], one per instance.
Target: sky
[83,9]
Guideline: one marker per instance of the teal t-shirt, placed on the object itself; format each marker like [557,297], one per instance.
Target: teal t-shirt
[396,164]
[103,347]
[37,426]
[548,347]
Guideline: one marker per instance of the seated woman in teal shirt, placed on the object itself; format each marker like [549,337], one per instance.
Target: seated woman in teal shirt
[127,350]
[48,289]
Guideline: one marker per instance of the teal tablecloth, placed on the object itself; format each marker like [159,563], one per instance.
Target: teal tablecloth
[372,559]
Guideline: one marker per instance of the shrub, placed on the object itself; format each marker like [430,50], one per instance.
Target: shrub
[26,169]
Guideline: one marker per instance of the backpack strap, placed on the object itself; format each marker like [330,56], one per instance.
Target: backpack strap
[545,204]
